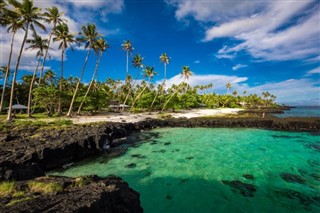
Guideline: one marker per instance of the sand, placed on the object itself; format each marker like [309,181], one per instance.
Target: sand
[126,117]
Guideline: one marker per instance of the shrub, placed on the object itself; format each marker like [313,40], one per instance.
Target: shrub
[6,188]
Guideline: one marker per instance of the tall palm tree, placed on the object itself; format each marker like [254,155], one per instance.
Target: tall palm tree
[228,86]
[136,63]
[89,36]
[11,19]
[49,76]
[185,73]
[99,46]
[127,46]
[29,16]
[51,16]
[62,35]
[148,72]
[3,15]
[37,43]
[165,60]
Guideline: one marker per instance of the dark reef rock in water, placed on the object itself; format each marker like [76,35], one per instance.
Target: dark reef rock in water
[291,178]
[316,147]
[184,180]
[131,165]
[285,136]
[167,143]
[83,194]
[245,189]
[189,158]
[305,200]
[138,156]
[169,197]
[248,176]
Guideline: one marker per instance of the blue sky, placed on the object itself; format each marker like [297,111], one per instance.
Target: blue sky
[256,45]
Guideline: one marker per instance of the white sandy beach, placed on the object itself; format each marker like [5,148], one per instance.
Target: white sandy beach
[126,117]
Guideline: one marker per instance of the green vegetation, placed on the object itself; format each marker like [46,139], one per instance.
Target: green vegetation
[44,188]
[54,95]
[6,188]
[82,181]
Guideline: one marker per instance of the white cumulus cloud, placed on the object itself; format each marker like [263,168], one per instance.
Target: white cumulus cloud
[238,66]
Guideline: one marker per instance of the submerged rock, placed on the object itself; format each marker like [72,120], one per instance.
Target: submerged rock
[84,194]
[248,176]
[303,199]
[291,178]
[245,189]
[131,165]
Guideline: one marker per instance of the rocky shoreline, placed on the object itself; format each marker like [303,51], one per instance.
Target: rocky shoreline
[28,152]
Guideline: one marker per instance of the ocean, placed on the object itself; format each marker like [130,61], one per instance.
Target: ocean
[217,170]
[301,111]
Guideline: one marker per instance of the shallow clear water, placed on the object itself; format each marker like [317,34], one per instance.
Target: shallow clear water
[187,170]
[301,111]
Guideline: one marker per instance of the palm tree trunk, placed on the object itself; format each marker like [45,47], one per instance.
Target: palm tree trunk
[127,68]
[138,96]
[78,83]
[171,97]
[130,89]
[45,55]
[9,118]
[91,82]
[30,88]
[158,92]
[60,83]
[164,80]
[7,72]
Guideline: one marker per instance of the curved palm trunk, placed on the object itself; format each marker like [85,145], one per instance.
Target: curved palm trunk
[127,68]
[30,89]
[46,54]
[60,84]
[130,90]
[158,92]
[7,72]
[139,95]
[9,118]
[91,82]
[171,97]
[164,80]
[78,83]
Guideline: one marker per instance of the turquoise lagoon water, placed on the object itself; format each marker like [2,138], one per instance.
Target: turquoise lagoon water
[301,111]
[191,170]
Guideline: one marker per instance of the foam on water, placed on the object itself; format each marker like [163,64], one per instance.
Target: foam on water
[191,170]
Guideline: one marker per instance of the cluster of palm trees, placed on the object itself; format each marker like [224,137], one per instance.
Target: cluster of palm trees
[57,94]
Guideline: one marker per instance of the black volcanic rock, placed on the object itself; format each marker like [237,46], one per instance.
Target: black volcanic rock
[85,194]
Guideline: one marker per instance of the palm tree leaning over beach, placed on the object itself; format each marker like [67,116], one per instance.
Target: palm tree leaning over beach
[11,20]
[148,72]
[37,43]
[55,17]
[28,15]
[89,36]
[185,73]
[62,35]
[99,46]
[165,60]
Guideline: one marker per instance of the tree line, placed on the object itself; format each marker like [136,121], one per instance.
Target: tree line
[46,90]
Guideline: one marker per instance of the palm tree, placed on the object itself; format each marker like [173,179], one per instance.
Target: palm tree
[228,86]
[165,60]
[29,15]
[185,73]
[51,16]
[100,46]
[49,77]
[62,35]
[148,72]
[41,44]
[10,19]
[137,63]
[3,14]
[90,35]
[127,46]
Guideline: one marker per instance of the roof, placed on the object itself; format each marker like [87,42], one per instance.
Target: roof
[18,106]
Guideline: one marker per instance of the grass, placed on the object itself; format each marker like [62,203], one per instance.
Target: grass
[164,116]
[6,188]
[44,188]
[17,200]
